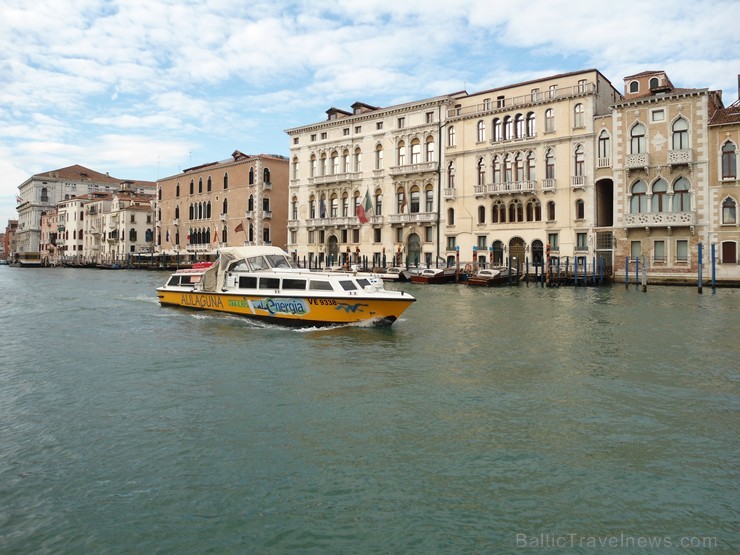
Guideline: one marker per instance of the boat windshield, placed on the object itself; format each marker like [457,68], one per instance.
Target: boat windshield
[280,261]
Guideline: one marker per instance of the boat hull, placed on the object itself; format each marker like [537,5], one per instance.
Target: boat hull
[301,311]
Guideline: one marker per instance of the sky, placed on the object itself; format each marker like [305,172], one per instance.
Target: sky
[143,89]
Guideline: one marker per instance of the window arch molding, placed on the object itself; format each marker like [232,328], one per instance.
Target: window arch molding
[729,210]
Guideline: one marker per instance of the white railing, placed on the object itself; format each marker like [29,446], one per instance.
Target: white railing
[637,160]
[664,219]
[578,181]
[417,217]
[548,184]
[604,163]
[678,157]
[414,168]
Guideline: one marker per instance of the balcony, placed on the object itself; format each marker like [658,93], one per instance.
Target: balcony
[637,161]
[267,185]
[414,218]
[176,222]
[267,214]
[223,217]
[680,157]
[336,177]
[249,214]
[548,184]
[578,182]
[421,167]
[292,223]
[450,193]
[660,219]
[604,163]
[376,220]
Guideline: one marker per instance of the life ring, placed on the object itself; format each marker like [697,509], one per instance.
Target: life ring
[468,268]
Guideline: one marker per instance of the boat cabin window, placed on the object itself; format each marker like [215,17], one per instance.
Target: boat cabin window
[294,283]
[269,283]
[247,282]
[348,285]
[279,261]
[239,266]
[318,285]
[257,263]
[174,280]
[362,282]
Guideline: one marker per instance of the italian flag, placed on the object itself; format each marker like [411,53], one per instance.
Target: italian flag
[364,209]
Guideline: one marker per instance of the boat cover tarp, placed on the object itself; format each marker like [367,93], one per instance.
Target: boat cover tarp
[214,277]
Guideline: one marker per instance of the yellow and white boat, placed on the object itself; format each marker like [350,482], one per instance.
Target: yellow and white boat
[262,282]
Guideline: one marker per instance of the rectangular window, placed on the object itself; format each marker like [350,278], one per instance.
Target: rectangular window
[401,123]
[450,243]
[682,250]
[355,235]
[657,115]
[379,125]
[430,117]
[581,241]
[376,235]
[316,285]
[535,95]
[581,86]
[295,140]
[482,239]
[554,240]
[399,235]
[344,236]
[659,251]
[345,131]
[323,135]
[486,103]
[428,235]
[310,237]
[500,101]
[635,249]
[313,137]
[322,236]
[358,129]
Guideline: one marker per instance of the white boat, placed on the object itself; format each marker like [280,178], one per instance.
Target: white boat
[262,282]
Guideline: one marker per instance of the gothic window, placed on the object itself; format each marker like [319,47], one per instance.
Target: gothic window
[681,195]
[660,196]
[638,201]
[637,138]
[680,134]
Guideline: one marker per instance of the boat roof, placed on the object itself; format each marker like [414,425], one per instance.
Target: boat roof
[233,253]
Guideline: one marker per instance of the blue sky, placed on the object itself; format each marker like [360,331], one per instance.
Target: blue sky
[145,88]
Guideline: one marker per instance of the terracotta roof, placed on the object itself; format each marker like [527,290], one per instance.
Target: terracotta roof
[79,173]
[728,115]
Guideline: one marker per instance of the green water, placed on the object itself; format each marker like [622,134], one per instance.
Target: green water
[484,421]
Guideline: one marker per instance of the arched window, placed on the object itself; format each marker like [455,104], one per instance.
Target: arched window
[681,195]
[177,189]
[358,160]
[200,184]
[415,200]
[680,134]
[209,184]
[481,172]
[208,210]
[634,86]
[498,253]
[429,199]
[549,120]
[415,151]
[200,210]
[660,196]
[226,206]
[224,235]
[429,152]
[378,203]
[508,172]
[654,82]
[192,186]
[345,161]
[497,136]
[519,126]
[578,116]
[579,159]
[379,157]
[131,235]
[226,181]
[519,167]
[265,177]
[295,168]
[294,208]
[401,153]
[335,162]
[729,161]
[250,203]
[637,138]
[191,213]
[497,169]
[580,210]
[400,201]
[549,164]
[334,206]
[481,131]
[604,148]
[322,164]
[177,212]
[531,125]
[481,214]
[345,205]
[531,167]
[534,211]
[451,136]
[314,165]
[450,216]
[508,128]
[516,211]
[451,175]
[551,211]
[638,200]
[729,211]
[498,212]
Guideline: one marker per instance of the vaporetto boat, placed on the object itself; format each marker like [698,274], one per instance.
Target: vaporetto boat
[262,282]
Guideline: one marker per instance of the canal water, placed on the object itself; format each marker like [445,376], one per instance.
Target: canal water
[565,420]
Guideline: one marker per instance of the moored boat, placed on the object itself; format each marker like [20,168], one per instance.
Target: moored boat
[436,275]
[262,282]
[493,277]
